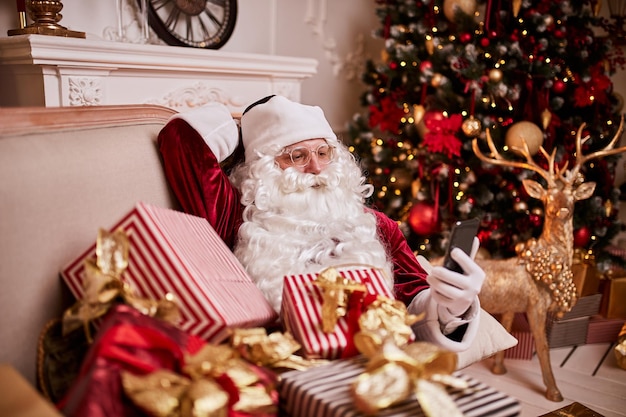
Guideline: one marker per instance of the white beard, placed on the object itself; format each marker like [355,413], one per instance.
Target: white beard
[297,223]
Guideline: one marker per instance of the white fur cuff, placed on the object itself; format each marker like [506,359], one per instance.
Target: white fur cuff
[216,126]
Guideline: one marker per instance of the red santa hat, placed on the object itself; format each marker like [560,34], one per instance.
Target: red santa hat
[276,120]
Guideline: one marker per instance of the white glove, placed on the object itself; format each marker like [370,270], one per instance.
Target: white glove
[451,290]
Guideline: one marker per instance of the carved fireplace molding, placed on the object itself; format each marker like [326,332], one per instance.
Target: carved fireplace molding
[51,71]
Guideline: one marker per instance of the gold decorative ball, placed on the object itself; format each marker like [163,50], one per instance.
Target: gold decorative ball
[524,131]
[495,75]
[471,127]
[437,80]
[466,6]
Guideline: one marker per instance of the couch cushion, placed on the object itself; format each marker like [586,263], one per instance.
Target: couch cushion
[58,185]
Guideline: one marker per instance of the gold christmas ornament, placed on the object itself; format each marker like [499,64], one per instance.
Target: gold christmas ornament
[418,113]
[384,56]
[471,127]
[522,133]
[495,75]
[517,5]
[437,80]
[546,118]
[450,8]
[430,45]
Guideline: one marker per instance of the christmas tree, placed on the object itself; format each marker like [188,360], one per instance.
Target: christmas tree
[451,69]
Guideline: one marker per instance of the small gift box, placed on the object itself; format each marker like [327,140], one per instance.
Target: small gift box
[304,308]
[567,332]
[585,306]
[327,391]
[173,253]
[586,276]
[613,304]
[525,347]
[573,410]
[603,330]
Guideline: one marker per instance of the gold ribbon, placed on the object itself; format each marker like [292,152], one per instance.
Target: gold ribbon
[164,393]
[103,286]
[336,291]
[397,369]
[393,374]
[384,318]
[276,350]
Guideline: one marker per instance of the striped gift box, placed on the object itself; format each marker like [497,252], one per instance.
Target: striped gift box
[173,252]
[325,391]
[525,347]
[301,311]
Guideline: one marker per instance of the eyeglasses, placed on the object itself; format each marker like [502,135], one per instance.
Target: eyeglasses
[301,155]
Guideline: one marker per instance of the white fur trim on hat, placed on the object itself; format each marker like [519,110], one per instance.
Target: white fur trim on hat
[282,122]
[216,125]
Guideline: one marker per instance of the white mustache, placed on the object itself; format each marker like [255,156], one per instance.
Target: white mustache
[294,181]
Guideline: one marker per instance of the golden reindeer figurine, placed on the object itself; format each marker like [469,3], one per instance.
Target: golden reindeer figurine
[539,279]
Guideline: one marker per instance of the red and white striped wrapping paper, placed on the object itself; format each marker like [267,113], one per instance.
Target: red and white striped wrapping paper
[173,252]
[301,311]
[525,347]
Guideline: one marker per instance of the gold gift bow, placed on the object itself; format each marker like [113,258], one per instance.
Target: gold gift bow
[164,393]
[103,285]
[393,374]
[397,369]
[276,350]
[335,292]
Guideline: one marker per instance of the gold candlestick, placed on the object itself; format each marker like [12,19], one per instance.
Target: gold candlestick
[45,16]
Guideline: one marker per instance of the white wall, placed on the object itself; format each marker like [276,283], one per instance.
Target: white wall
[335,32]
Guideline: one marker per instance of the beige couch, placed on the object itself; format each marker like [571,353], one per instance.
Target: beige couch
[65,172]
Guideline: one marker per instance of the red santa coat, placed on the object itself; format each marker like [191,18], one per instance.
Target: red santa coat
[203,189]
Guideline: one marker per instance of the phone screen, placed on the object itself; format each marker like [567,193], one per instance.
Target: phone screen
[462,236]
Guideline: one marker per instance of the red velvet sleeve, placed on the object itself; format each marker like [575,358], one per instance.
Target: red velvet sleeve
[197,179]
[409,276]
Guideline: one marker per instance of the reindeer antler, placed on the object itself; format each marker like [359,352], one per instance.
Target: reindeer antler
[606,151]
[530,164]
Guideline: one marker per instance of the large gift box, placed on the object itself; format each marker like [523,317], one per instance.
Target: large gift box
[173,253]
[301,311]
[525,347]
[326,391]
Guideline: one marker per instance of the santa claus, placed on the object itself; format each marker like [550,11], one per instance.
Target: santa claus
[296,204]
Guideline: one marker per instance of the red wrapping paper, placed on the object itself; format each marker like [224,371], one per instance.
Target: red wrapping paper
[302,312]
[131,341]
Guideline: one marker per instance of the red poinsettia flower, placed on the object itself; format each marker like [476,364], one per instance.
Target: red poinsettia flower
[387,117]
[441,135]
[596,87]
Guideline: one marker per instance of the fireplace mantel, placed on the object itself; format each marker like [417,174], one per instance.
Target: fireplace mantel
[52,71]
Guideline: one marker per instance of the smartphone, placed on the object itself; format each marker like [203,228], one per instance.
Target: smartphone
[462,236]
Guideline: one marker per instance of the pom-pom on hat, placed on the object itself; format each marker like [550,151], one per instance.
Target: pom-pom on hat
[276,120]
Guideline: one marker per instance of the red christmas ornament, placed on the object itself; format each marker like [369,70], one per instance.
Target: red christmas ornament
[423,218]
[393,65]
[582,237]
[484,42]
[559,87]
[425,66]
[465,37]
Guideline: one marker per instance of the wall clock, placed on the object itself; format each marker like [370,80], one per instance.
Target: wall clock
[195,23]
